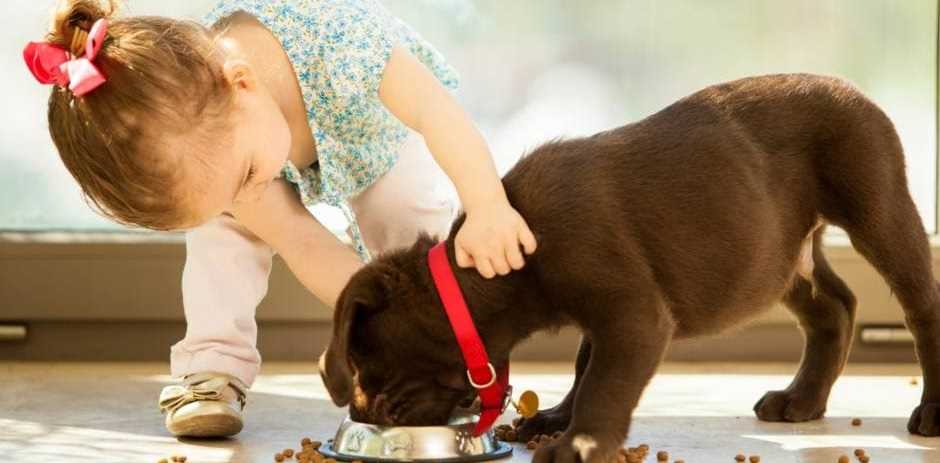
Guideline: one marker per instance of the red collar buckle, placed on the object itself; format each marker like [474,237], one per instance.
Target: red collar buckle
[492,385]
[487,383]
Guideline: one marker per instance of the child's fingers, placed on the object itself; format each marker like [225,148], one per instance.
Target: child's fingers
[514,255]
[527,239]
[485,268]
[500,264]
[464,260]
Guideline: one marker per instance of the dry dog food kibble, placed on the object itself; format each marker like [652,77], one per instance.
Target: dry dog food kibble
[844,459]
[309,454]
[859,452]
[856,421]
[863,458]
[739,457]
[754,458]
[662,456]
[636,454]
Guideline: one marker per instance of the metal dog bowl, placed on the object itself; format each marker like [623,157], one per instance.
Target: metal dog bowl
[451,443]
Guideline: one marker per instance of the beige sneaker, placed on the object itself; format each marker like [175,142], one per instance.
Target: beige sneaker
[205,405]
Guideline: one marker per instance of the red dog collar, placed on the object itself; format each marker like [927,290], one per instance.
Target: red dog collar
[492,386]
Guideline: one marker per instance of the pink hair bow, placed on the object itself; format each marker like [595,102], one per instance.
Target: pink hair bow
[54,65]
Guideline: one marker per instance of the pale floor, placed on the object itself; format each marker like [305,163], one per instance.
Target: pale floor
[105,412]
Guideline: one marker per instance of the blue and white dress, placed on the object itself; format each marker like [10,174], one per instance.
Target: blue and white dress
[339,49]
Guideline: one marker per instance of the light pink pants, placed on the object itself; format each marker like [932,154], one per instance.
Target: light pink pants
[227,267]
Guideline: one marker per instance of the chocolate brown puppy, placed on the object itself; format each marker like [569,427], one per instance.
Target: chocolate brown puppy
[683,224]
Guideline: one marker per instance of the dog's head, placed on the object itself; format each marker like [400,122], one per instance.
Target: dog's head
[393,358]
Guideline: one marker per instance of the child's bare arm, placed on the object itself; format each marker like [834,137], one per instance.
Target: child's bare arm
[491,236]
[317,258]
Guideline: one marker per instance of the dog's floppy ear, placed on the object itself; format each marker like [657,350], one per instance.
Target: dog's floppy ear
[366,293]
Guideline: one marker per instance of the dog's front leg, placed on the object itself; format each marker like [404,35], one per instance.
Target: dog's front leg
[625,353]
[557,418]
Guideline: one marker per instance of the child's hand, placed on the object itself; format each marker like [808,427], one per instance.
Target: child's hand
[490,237]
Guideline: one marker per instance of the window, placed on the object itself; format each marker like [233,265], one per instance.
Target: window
[537,69]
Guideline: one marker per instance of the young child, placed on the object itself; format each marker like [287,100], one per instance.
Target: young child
[229,130]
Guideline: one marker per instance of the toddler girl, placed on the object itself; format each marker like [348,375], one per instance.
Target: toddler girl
[228,130]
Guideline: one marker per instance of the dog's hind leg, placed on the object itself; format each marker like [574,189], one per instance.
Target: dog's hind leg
[895,243]
[864,190]
[825,308]
[557,418]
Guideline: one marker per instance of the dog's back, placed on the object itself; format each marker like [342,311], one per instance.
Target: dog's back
[708,199]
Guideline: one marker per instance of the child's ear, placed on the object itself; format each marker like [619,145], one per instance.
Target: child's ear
[240,75]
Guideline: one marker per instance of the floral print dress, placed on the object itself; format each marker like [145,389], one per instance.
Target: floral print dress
[339,49]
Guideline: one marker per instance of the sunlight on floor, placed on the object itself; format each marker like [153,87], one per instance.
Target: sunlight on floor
[868,442]
[699,412]
[669,394]
[38,442]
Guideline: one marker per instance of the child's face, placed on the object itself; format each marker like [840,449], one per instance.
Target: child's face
[246,158]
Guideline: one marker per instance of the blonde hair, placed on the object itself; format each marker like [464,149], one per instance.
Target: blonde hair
[163,76]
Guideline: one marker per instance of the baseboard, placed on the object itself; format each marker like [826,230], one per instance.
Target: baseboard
[304,341]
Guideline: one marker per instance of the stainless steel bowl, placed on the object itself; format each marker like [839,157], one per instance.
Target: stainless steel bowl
[451,443]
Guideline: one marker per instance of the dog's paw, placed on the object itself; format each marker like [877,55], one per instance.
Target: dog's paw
[579,448]
[544,422]
[925,420]
[791,406]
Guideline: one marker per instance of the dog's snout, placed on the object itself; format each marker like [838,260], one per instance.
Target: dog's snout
[374,410]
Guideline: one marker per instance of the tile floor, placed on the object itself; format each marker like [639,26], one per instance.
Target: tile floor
[106,412]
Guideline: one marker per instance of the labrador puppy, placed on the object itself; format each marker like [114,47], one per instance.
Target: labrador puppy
[683,224]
